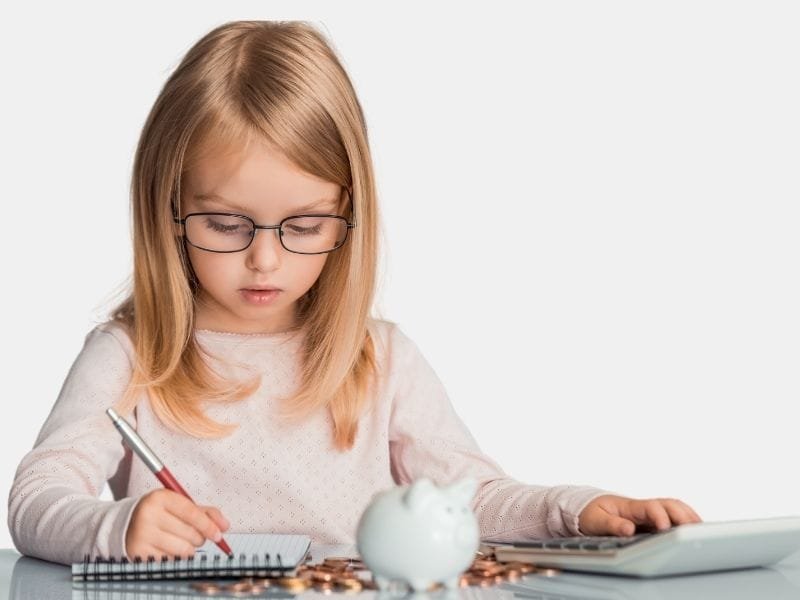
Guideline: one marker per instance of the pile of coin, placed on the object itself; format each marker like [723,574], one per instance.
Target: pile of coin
[486,571]
[349,575]
[340,574]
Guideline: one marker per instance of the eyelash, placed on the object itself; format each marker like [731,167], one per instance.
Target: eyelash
[228,228]
[307,230]
[220,227]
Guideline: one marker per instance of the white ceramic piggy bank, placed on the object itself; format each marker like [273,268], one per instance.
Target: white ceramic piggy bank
[421,534]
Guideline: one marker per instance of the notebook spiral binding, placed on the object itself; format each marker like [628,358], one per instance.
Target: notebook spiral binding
[218,566]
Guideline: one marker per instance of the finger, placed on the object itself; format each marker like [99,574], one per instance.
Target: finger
[170,545]
[167,545]
[647,512]
[217,516]
[696,518]
[620,526]
[194,516]
[679,512]
[599,519]
[179,528]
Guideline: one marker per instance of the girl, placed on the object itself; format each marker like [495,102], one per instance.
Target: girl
[245,354]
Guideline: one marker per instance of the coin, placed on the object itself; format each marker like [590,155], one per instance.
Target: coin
[350,583]
[293,583]
[482,563]
[242,586]
[323,586]
[320,575]
[206,587]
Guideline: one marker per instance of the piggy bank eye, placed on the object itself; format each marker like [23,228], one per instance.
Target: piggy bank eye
[463,509]
[449,510]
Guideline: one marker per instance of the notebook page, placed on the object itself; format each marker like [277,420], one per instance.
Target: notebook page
[291,547]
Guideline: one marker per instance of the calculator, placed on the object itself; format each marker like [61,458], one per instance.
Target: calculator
[689,548]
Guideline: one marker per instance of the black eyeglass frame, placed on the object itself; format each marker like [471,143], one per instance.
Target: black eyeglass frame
[255,226]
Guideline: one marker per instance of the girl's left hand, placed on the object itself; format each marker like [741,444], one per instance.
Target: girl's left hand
[618,515]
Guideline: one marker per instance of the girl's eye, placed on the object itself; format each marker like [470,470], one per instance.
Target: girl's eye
[226,227]
[296,230]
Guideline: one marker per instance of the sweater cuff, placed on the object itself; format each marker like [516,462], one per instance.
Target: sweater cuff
[573,503]
[118,527]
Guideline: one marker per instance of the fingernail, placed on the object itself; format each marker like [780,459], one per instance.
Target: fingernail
[217,536]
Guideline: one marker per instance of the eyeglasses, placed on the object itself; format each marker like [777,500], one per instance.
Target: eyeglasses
[228,232]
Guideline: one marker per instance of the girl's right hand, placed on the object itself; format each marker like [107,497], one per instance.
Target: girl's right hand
[165,523]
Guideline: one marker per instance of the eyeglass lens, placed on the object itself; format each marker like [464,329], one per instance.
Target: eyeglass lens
[230,233]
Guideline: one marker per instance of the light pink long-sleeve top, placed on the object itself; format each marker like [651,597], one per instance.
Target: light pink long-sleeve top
[266,476]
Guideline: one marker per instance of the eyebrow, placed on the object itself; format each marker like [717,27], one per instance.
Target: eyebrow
[206,198]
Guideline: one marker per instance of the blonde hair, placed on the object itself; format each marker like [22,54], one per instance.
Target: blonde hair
[244,79]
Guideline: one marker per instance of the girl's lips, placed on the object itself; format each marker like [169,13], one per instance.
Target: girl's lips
[259,297]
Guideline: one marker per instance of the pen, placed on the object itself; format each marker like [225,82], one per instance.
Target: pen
[137,444]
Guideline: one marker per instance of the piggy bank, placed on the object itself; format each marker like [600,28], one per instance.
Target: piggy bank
[420,534]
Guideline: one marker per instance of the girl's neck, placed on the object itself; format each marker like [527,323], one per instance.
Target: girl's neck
[208,317]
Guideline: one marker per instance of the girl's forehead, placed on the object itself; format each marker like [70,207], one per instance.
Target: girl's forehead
[258,184]
[255,170]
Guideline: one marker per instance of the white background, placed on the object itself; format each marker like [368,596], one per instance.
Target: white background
[590,214]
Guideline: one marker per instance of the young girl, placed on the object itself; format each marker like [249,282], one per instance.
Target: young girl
[246,355]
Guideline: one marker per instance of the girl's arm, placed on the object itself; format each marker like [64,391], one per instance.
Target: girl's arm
[428,439]
[54,511]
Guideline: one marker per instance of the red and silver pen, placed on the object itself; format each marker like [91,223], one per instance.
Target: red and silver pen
[137,444]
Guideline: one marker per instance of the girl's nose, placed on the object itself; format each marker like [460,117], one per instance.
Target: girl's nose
[264,253]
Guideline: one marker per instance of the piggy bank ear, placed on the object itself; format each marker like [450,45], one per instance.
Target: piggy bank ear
[419,494]
[462,491]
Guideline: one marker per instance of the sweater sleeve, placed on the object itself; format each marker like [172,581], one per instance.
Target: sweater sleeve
[54,510]
[428,439]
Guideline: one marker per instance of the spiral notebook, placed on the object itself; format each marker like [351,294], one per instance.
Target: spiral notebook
[255,554]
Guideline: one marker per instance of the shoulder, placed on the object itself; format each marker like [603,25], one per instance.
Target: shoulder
[392,345]
[111,338]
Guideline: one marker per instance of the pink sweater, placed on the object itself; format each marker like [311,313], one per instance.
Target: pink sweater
[264,477]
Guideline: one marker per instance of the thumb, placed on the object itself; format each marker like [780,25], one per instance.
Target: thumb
[620,526]
[601,522]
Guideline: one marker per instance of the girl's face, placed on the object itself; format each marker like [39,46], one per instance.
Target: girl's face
[263,185]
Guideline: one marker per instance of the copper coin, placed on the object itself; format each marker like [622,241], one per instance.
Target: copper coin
[241,586]
[257,589]
[293,583]
[471,580]
[322,585]
[206,587]
[337,561]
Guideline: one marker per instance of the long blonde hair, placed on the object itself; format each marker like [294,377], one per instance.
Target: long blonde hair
[282,81]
